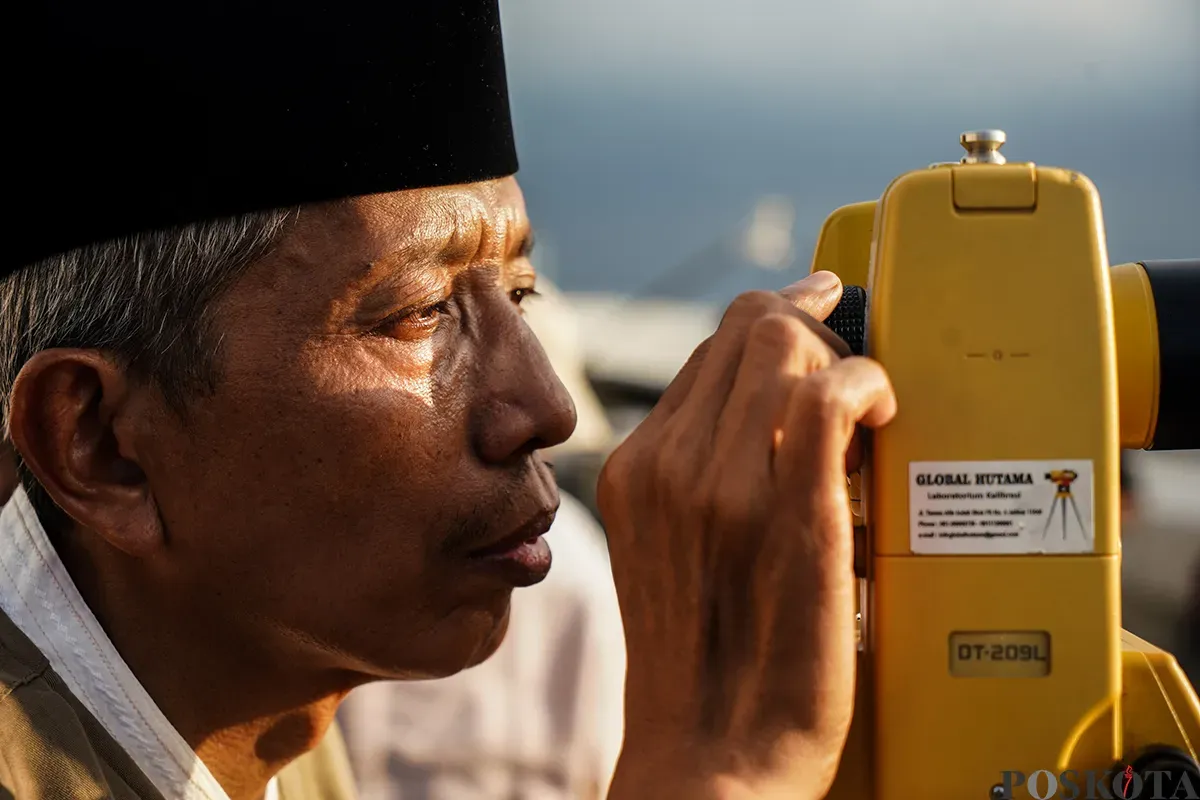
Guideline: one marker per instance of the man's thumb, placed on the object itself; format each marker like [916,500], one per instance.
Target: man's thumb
[816,295]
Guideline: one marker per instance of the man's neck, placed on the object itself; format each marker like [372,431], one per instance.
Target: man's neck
[246,715]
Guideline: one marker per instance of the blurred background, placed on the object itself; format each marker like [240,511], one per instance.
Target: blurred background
[677,152]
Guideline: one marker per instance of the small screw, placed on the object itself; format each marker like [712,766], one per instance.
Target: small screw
[998,793]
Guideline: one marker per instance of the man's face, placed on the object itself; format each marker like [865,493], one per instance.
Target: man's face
[376,424]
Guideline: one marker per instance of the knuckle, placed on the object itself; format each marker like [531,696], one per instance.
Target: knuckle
[674,460]
[623,472]
[817,353]
[871,369]
[825,399]
[783,337]
[751,305]
[613,481]
[776,332]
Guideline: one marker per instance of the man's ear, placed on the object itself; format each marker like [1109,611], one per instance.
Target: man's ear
[73,419]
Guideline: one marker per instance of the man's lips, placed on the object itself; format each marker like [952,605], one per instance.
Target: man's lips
[522,558]
[528,532]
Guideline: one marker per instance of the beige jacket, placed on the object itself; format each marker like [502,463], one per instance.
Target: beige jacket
[52,748]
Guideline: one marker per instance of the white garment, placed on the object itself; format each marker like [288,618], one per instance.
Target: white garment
[539,720]
[40,598]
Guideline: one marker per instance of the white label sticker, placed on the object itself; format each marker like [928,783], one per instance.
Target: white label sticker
[1001,507]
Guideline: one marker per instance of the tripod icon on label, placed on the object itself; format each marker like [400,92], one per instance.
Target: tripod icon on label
[1062,480]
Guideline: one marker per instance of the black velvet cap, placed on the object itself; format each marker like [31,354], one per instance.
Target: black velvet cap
[129,115]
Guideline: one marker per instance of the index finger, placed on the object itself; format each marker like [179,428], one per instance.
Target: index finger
[814,296]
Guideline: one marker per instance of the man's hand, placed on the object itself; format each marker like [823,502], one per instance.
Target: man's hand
[732,551]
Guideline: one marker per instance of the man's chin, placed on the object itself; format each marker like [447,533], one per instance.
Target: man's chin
[459,645]
[491,644]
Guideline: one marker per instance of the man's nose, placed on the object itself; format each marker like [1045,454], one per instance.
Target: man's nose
[526,407]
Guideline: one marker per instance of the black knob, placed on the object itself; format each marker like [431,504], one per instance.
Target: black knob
[1160,771]
[849,319]
[1176,289]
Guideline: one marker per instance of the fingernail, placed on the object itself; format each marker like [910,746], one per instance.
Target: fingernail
[821,281]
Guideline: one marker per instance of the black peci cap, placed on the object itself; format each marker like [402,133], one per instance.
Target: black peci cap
[132,115]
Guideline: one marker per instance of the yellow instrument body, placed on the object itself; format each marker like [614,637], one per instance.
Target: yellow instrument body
[992,639]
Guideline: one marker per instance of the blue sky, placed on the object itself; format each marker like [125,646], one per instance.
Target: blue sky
[648,127]
[956,49]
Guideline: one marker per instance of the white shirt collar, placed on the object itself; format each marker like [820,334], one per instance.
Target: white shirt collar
[38,595]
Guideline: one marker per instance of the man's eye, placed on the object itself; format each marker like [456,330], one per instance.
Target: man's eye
[520,294]
[425,315]
[430,312]
[414,320]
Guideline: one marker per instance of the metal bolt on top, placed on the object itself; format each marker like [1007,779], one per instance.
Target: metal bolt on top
[983,147]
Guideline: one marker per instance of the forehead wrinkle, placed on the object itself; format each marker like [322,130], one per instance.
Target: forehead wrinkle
[430,238]
[453,231]
[498,228]
[473,229]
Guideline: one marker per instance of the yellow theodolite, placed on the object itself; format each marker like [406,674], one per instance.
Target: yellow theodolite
[993,663]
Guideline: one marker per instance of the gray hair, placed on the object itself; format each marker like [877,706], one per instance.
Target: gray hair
[146,300]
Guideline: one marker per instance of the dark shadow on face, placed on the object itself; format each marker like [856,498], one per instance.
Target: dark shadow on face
[378,417]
